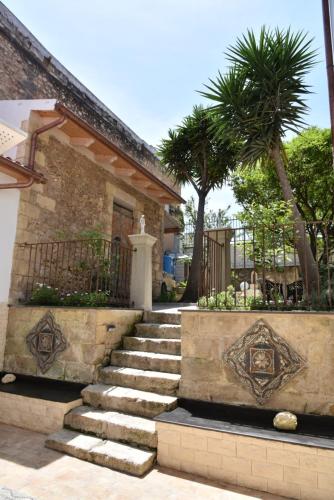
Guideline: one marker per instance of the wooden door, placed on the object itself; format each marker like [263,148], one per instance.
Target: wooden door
[122,224]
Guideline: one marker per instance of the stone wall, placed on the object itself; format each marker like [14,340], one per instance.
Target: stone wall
[91,335]
[205,375]
[285,469]
[78,196]
[36,74]
[35,414]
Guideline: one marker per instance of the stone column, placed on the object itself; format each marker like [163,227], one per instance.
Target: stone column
[141,274]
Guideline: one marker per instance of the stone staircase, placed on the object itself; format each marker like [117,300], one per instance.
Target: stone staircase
[114,428]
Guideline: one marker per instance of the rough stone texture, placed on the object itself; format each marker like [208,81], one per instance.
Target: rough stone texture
[162,346]
[45,341]
[9,378]
[126,400]
[147,361]
[113,425]
[78,196]
[263,361]
[34,414]
[285,421]
[143,380]
[27,466]
[36,74]
[162,331]
[162,317]
[114,412]
[91,335]
[107,453]
[290,470]
[206,336]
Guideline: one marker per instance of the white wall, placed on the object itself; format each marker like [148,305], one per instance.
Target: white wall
[9,203]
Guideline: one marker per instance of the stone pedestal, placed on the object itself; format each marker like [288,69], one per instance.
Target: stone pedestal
[141,274]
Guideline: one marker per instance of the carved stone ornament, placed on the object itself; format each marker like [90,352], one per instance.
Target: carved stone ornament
[263,361]
[45,341]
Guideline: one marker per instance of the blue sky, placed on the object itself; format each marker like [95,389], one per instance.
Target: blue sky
[145,59]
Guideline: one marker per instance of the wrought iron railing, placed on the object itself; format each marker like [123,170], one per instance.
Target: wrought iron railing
[78,266]
[269,266]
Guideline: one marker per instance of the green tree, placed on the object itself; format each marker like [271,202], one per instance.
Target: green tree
[261,97]
[192,155]
[212,219]
[310,172]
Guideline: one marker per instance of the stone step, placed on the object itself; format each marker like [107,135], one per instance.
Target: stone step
[154,330]
[162,317]
[147,361]
[113,425]
[144,380]
[126,400]
[110,454]
[162,346]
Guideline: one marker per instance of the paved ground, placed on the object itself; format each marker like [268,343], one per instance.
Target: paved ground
[30,470]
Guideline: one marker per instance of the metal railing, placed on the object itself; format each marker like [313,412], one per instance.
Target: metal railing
[269,266]
[79,266]
[189,231]
[213,265]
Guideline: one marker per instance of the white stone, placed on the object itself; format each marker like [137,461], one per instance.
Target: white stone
[141,273]
[126,400]
[113,425]
[161,346]
[110,454]
[7,379]
[143,380]
[168,363]
[285,421]
[161,331]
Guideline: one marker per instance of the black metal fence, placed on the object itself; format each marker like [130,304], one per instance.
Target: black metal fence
[79,266]
[277,266]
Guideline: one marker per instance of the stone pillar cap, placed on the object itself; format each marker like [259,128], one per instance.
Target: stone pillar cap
[142,239]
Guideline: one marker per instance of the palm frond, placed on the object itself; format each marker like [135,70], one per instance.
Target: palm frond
[263,94]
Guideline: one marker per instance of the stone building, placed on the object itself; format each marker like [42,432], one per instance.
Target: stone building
[93,172]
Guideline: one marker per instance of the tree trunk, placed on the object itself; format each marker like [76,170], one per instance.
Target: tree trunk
[308,264]
[192,290]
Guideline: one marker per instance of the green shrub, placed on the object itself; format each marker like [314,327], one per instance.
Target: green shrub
[166,296]
[45,295]
[96,299]
[182,284]
[82,299]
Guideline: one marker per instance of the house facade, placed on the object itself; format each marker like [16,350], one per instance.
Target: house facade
[89,173]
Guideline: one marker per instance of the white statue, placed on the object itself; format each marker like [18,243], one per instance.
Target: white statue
[142,224]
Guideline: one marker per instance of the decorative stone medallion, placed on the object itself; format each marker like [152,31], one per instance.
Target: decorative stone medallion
[45,341]
[263,361]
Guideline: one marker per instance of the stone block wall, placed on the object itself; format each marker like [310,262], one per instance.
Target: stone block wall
[36,74]
[35,414]
[91,335]
[78,196]
[206,336]
[285,469]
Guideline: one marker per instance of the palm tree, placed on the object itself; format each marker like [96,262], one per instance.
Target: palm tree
[192,155]
[261,97]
